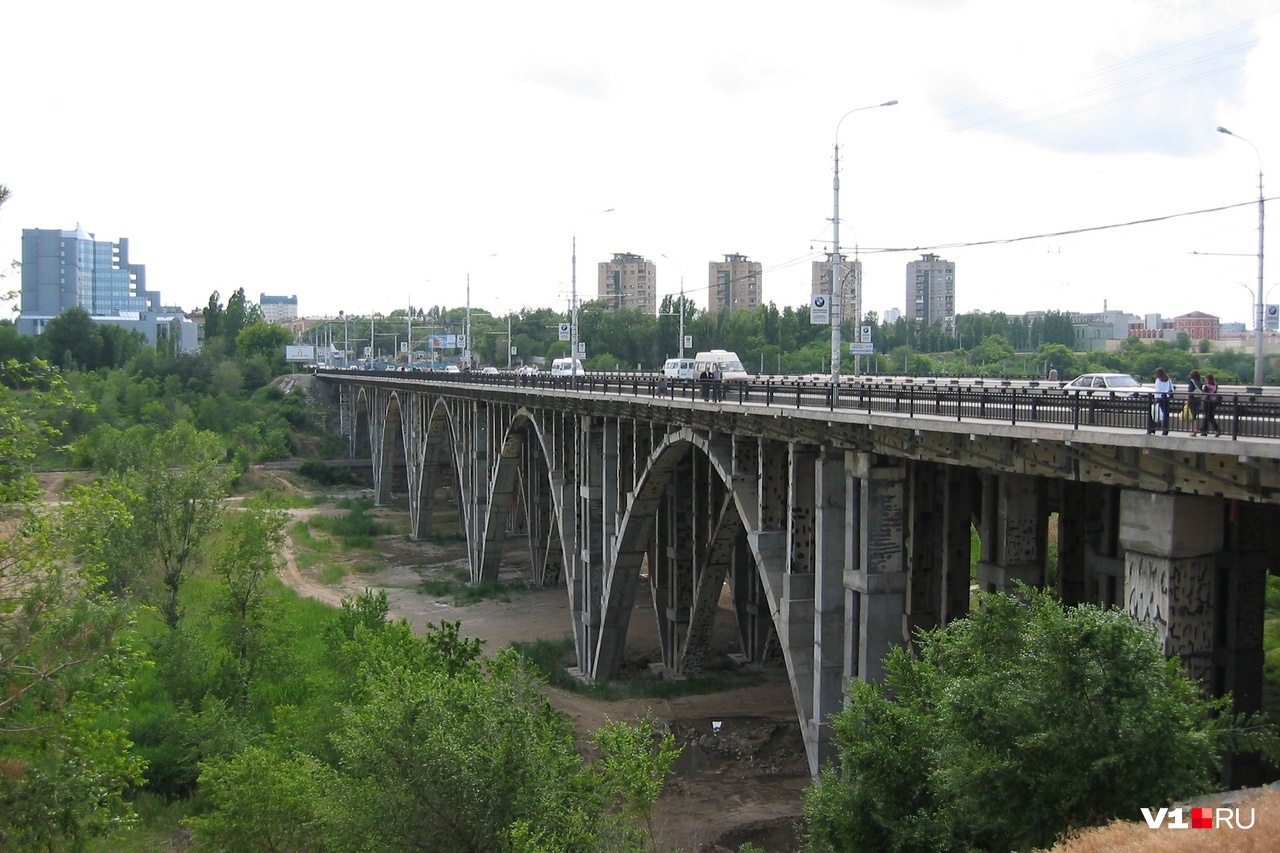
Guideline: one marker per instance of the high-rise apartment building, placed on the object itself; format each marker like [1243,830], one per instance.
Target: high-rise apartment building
[850,294]
[931,291]
[278,309]
[734,284]
[70,269]
[628,281]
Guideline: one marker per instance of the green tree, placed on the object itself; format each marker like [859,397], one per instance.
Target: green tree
[264,339]
[633,767]
[441,750]
[178,495]
[243,561]
[71,340]
[65,656]
[262,800]
[1013,725]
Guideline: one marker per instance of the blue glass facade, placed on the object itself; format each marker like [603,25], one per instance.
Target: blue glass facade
[64,269]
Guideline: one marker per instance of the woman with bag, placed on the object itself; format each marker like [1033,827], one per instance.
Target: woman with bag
[1211,398]
[1195,390]
[1164,391]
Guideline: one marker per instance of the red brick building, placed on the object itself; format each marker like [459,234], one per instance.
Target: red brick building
[1198,326]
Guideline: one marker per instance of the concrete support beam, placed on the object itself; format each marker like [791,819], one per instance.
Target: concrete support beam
[875,585]
[833,484]
[1014,532]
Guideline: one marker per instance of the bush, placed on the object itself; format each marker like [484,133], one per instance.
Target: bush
[1014,725]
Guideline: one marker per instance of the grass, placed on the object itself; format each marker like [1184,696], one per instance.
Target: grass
[158,828]
[271,498]
[551,658]
[457,584]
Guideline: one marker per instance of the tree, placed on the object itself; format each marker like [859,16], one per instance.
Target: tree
[178,495]
[65,656]
[263,339]
[71,340]
[1013,725]
[264,800]
[633,766]
[441,750]
[243,561]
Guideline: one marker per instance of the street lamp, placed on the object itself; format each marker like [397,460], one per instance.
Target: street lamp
[573,307]
[1257,335]
[677,263]
[837,277]
[342,315]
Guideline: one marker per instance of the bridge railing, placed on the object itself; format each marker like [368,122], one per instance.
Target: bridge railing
[1248,415]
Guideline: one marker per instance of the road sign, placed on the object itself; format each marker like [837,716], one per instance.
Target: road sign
[582,349]
[862,348]
[819,310]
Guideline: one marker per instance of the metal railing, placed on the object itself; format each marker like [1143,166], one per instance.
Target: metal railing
[1238,415]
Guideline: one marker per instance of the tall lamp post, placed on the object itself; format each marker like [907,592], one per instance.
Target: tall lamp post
[677,263]
[342,315]
[573,307]
[1262,208]
[837,275]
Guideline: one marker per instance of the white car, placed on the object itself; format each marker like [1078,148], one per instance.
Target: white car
[490,371]
[1102,383]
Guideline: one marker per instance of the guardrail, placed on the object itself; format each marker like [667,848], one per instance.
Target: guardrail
[1238,415]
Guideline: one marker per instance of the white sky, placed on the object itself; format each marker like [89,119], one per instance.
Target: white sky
[368,155]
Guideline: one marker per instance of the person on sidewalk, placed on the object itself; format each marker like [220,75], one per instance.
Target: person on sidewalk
[1195,392]
[1164,393]
[1211,398]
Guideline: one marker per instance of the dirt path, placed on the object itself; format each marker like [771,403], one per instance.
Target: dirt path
[740,781]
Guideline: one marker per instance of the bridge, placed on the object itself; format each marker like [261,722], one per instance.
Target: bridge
[837,526]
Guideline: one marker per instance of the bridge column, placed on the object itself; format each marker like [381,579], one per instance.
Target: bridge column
[833,529]
[1089,568]
[875,584]
[474,502]
[938,551]
[1239,658]
[586,563]
[797,628]
[381,435]
[413,433]
[1013,532]
[1171,543]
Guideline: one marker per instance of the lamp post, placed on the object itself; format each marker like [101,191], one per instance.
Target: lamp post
[837,276]
[677,263]
[1257,334]
[573,307]
[342,315]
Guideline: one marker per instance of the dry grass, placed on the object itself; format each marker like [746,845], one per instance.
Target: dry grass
[1130,837]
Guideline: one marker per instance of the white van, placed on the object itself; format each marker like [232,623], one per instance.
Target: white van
[680,368]
[567,367]
[730,365]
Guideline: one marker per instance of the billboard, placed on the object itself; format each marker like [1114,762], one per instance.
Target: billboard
[299,353]
[820,309]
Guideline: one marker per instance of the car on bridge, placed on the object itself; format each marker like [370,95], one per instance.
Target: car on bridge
[1089,383]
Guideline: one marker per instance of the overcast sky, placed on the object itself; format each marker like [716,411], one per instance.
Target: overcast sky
[366,156]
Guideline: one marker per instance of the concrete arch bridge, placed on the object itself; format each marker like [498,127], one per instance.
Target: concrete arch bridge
[836,532]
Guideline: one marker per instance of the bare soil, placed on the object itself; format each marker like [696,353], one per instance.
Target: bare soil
[742,781]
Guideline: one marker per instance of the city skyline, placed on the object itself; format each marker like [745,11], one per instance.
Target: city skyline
[381,159]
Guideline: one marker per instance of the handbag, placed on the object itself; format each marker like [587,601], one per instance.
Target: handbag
[1186,411]
[1155,411]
